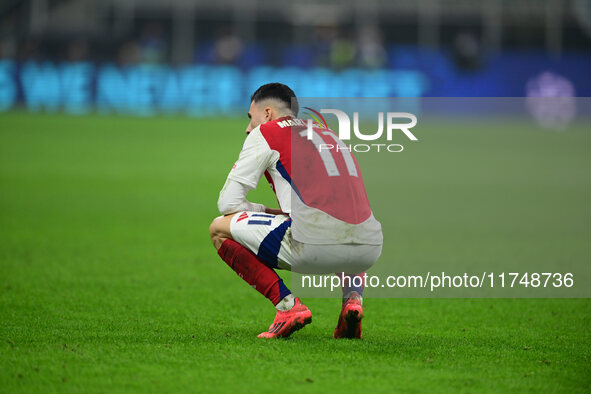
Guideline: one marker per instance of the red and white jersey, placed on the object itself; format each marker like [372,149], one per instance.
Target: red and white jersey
[320,187]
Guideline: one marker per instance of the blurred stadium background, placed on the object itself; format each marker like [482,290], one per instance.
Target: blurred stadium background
[205,57]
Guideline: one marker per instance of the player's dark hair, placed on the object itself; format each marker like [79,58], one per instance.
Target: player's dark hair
[277,91]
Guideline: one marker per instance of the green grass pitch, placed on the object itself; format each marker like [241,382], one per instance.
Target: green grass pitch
[108,283]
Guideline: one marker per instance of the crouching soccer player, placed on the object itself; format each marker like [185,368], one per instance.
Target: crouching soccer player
[324,224]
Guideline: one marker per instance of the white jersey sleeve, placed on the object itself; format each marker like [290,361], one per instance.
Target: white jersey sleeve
[255,157]
[233,199]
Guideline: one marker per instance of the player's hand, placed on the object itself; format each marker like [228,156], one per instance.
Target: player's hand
[275,211]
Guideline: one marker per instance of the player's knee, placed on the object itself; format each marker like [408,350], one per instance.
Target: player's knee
[216,232]
[214,228]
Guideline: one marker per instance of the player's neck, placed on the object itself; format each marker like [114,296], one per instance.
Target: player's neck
[282,116]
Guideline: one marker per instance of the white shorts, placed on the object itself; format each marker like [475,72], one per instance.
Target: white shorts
[269,237]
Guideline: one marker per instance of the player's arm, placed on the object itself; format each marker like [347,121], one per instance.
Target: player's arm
[254,159]
[233,199]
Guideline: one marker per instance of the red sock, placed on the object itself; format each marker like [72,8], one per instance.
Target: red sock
[253,271]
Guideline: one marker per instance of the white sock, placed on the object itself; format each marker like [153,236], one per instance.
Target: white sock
[286,303]
[354,294]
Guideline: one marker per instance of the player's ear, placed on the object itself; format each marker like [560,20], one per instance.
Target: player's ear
[268,114]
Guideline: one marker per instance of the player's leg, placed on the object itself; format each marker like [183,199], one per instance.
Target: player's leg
[350,258]
[237,238]
[267,236]
[349,324]
[352,284]
[219,230]
[245,263]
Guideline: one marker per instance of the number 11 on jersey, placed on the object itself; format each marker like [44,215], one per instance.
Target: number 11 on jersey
[324,150]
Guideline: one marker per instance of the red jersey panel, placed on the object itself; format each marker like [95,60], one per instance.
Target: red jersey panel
[321,171]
